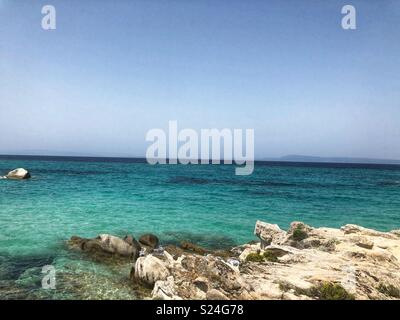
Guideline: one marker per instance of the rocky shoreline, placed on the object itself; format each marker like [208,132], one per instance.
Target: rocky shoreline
[301,263]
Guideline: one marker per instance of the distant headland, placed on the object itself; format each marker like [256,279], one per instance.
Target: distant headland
[54,155]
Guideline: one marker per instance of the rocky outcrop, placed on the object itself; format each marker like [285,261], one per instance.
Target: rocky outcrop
[191,276]
[107,244]
[301,263]
[18,174]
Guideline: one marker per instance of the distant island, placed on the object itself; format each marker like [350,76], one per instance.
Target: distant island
[287,158]
[302,158]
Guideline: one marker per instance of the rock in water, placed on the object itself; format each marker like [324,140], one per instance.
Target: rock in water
[116,245]
[149,240]
[19,173]
[133,242]
[185,245]
[106,243]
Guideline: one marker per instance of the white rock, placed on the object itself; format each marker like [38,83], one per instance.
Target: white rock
[19,173]
[150,269]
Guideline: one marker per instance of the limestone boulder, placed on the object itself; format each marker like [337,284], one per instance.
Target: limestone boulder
[149,269]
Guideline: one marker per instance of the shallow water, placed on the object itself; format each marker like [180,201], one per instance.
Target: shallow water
[206,204]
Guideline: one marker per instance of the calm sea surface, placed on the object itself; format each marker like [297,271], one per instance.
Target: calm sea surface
[206,204]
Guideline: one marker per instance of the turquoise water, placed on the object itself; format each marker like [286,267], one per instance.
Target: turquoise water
[206,204]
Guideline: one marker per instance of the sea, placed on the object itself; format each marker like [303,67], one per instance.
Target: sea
[206,204]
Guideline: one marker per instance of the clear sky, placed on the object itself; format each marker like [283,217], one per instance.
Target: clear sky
[112,70]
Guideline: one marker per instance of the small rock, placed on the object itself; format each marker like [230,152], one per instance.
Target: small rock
[149,240]
[93,246]
[105,243]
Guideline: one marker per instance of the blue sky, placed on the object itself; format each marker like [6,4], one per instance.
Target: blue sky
[112,70]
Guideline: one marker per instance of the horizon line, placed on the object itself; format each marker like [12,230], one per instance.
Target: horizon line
[311,159]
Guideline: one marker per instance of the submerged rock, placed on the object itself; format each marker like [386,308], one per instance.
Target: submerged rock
[107,244]
[19,173]
[116,245]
